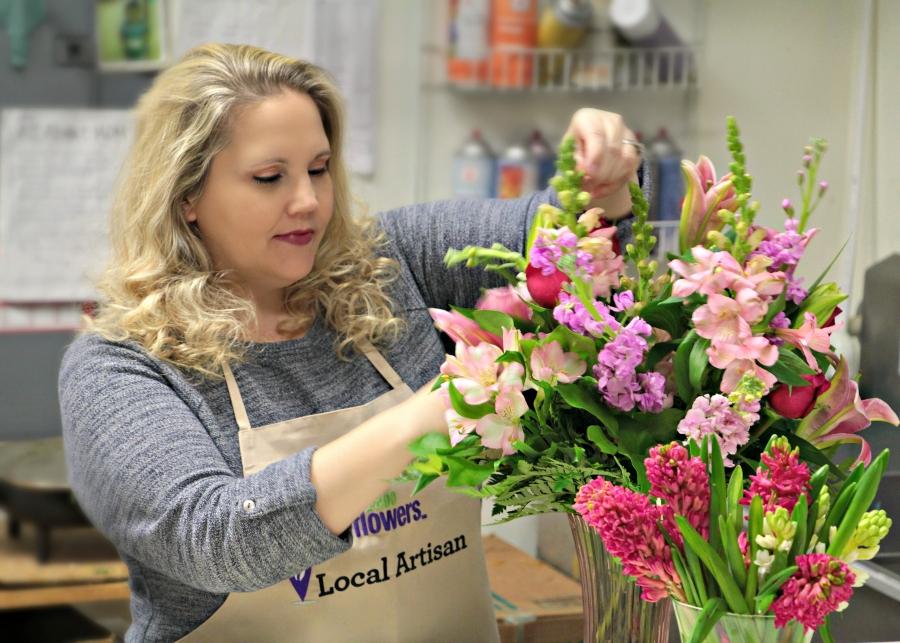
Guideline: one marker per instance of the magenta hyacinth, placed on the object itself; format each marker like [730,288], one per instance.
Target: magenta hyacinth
[780,479]
[819,587]
[682,482]
[628,525]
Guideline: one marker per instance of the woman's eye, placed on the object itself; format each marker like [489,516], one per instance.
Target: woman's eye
[271,178]
[317,171]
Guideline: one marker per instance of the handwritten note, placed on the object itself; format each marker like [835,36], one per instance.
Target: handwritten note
[57,171]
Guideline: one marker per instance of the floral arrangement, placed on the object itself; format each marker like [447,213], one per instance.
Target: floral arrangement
[589,358]
[693,538]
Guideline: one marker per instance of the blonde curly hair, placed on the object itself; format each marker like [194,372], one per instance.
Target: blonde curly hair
[160,288]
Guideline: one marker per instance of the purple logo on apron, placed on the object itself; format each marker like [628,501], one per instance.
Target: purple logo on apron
[301,583]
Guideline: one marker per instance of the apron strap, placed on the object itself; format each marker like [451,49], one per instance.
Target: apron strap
[381,365]
[237,402]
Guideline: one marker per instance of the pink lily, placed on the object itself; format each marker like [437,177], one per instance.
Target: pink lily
[809,336]
[550,364]
[704,197]
[839,414]
[460,328]
[504,300]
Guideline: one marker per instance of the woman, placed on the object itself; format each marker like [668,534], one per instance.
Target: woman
[244,395]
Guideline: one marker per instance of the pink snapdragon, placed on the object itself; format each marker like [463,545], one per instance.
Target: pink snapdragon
[628,525]
[598,261]
[821,585]
[504,300]
[780,479]
[549,363]
[682,482]
[460,328]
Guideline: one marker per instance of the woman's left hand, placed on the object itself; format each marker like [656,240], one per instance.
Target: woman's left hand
[608,161]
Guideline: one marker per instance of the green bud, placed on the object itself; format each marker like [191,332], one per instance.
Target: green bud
[557,182]
[565,198]
[821,302]
[741,228]
[583,199]
[629,248]
[654,266]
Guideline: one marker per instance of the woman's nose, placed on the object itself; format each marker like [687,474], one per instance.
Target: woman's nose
[304,199]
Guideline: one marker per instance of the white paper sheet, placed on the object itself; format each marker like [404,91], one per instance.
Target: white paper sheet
[346,44]
[57,171]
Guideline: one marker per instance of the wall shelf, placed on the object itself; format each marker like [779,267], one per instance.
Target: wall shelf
[526,70]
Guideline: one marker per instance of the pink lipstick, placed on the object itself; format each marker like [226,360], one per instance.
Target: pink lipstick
[296,237]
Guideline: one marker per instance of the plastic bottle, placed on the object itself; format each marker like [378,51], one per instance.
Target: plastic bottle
[513,39]
[641,24]
[473,169]
[594,65]
[469,43]
[669,183]
[544,159]
[516,172]
[563,25]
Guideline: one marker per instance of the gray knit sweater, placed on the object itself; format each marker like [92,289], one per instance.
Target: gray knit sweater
[153,455]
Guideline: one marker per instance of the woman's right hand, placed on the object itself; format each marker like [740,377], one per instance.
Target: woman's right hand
[427,410]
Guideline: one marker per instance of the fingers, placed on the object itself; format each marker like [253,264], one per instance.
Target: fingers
[608,162]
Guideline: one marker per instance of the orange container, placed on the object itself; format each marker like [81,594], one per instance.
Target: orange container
[513,40]
[467,62]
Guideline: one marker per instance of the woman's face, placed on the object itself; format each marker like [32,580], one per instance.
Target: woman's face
[268,196]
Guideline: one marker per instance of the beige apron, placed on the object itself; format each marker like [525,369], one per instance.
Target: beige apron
[415,572]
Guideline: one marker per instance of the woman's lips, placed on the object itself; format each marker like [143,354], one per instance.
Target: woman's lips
[297,237]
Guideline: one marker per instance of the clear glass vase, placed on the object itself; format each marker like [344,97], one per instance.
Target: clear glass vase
[613,609]
[739,628]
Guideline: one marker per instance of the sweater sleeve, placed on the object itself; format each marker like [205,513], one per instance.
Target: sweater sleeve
[422,234]
[149,476]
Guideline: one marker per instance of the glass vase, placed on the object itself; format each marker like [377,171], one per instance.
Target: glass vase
[613,609]
[739,628]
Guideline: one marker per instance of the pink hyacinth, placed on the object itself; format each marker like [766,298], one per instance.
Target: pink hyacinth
[819,587]
[628,525]
[713,415]
[682,482]
[781,478]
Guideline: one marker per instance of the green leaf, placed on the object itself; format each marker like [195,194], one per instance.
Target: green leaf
[717,567]
[493,321]
[427,444]
[710,614]
[799,518]
[581,395]
[862,500]
[717,493]
[775,581]
[657,352]
[733,552]
[423,481]
[733,507]
[819,279]
[787,374]
[697,363]
[696,572]
[668,315]
[469,411]
[596,435]
[641,431]
[462,473]
[811,453]
[512,356]
[682,368]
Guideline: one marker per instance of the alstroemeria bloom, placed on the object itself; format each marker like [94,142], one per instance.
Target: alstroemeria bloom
[704,197]
[709,273]
[460,328]
[725,320]
[741,367]
[550,364]
[809,336]
[499,430]
[475,371]
[840,414]
[504,300]
[458,426]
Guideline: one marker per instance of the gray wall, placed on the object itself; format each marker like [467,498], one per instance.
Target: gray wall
[29,361]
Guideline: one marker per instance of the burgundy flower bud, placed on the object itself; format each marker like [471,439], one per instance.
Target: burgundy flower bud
[797,401]
[544,289]
[828,322]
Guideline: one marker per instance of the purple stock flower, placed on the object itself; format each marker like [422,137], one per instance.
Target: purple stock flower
[616,372]
[570,312]
[622,301]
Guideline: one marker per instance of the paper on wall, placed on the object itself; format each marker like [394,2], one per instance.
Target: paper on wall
[57,171]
